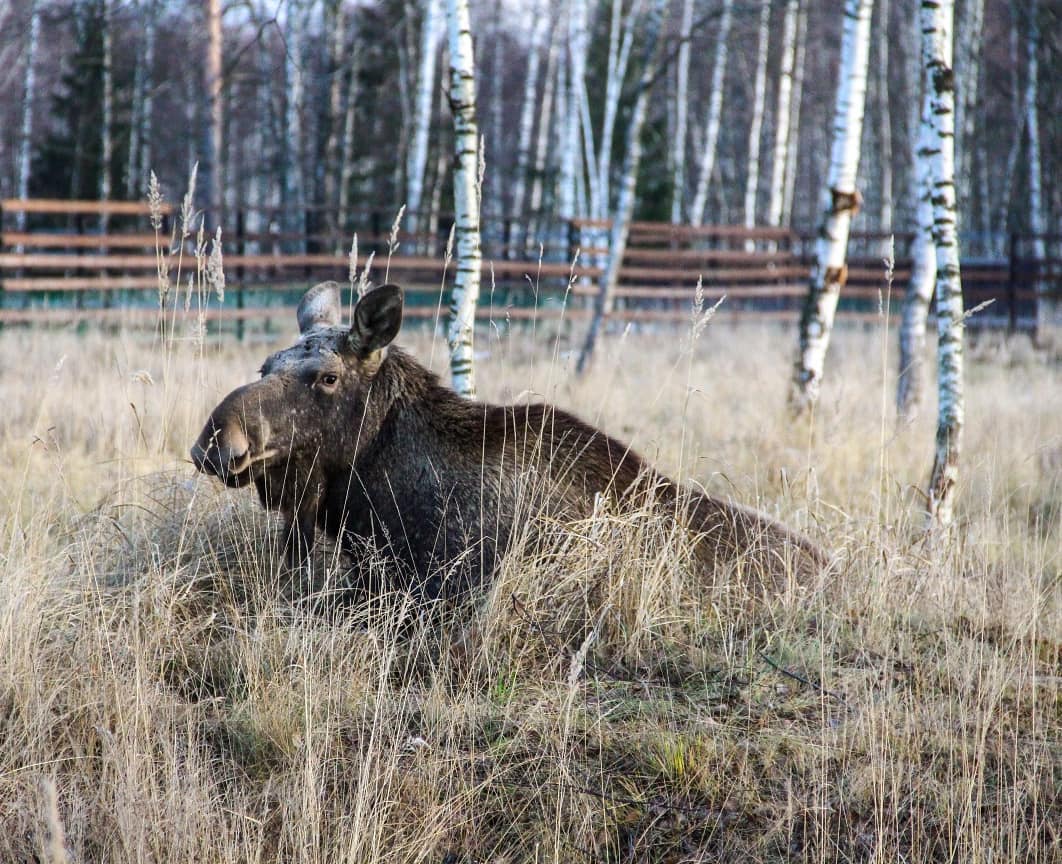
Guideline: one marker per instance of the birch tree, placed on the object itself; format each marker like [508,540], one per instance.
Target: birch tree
[620,42]
[465,294]
[682,96]
[29,91]
[337,65]
[782,123]
[1048,308]
[794,115]
[147,105]
[210,181]
[715,113]
[937,20]
[527,123]
[417,158]
[842,200]
[571,143]
[752,176]
[107,119]
[293,143]
[621,217]
[911,380]
[543,137]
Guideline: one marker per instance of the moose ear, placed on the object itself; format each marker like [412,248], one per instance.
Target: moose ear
[377,319]
[319,307]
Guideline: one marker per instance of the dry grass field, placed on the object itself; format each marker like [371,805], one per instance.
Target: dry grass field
[169,694]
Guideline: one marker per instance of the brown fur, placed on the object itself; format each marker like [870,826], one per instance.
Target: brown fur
[345,434]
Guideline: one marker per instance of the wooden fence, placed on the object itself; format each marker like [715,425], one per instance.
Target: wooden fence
[99,261]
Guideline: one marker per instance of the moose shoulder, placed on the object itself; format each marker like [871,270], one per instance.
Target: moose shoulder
[348,434]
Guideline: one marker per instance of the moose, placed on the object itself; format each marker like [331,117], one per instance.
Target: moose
[346,433]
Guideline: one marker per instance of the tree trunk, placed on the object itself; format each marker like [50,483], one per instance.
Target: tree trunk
[29,92]
[210,179]
[131,173]
[346,160]
[884,122]
[571,144]
[1048,305]
[759,90]
[682,95]
[294,188]
[911,381]
[937,19]
[527,124]
[542,139]
[145,152]
[715,113]
[621,40]
[466,199]
[782,114]
[794,116]
[829,273]
[107,120]
[337,64]
[417,160]
[968,73]
[621,217]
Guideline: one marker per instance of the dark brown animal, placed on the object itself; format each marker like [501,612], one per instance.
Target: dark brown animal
[346,434]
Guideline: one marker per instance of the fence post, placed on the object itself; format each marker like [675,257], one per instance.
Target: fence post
[1012,284]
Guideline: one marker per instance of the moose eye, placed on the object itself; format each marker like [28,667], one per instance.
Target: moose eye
[329,380]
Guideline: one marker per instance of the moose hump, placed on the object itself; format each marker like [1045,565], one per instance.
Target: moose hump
[347,434]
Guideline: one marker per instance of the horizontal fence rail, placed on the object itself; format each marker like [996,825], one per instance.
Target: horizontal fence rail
[73,261]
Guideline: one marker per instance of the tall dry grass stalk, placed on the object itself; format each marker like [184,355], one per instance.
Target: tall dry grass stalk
[190,700]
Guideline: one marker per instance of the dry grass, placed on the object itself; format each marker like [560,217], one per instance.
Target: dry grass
[167,695]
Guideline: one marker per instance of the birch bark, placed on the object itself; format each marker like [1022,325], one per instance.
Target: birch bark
[107,120]
[417,160]
[620,42]
[782,122]
[210,180]
[29,86]
[682,86]
[794,115]
[572,143]
[527,124]
[884,121]
[147,108]
[621,217]
[715,113]
[911,380]
[294,143]
[1048,306]
[752,175]
[829,273]
[336,65]
[542,139]
[466,199]
[937,18]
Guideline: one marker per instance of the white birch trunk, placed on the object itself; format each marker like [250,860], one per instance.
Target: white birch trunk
[417,160]
[107,120]
[621,217]
[571,144]
[130,175]
[911,382]
[715,113]
[466,199]
[794,116]
[210,178]
[937,20]
[332,168]
[759,90]
[968,71]
[527,126]
[542,139]
[829,273]
[782,114]
[621,40]
[147,115]
[346,159]
[884,124]
[294,186]
[29,86]
[682,95]
[1048,306]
